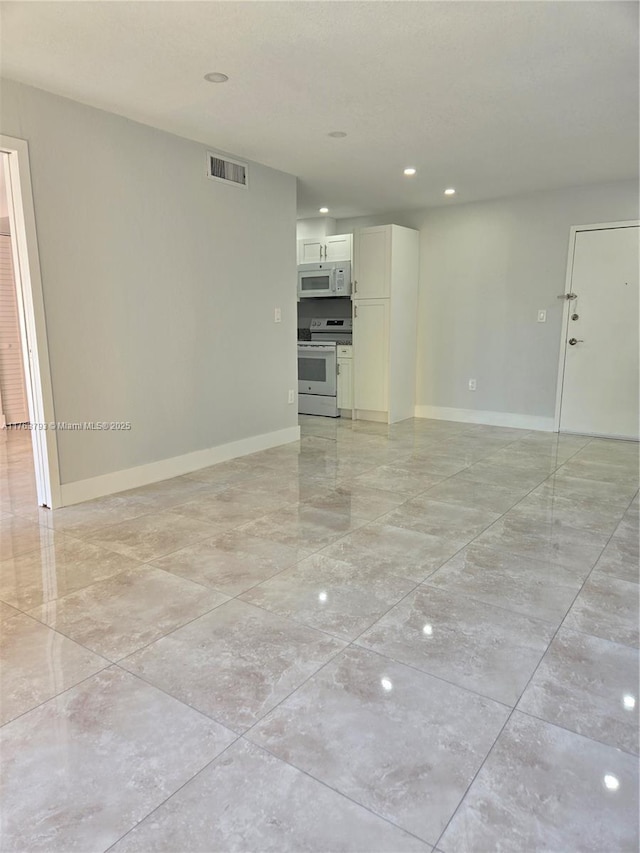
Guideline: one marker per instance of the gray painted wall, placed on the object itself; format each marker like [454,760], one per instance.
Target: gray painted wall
[316,227]
[159,286]
[485,270]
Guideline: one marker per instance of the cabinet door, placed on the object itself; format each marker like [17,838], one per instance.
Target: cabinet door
[310,251]
[338,247]
[345,384]
[370,354]
[373,263]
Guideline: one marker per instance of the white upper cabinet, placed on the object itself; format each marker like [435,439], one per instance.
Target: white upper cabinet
[338,247]
[373,263]
[310,251]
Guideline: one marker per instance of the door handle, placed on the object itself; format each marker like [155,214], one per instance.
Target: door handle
[568,296]
[574,341]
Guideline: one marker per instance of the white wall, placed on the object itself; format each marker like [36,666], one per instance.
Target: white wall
[159,286]
[319,226]
[485,270]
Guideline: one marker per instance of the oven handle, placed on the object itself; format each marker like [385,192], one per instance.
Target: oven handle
[317,348]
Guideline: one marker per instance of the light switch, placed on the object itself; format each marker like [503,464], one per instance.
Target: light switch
[277,315]
[542,316]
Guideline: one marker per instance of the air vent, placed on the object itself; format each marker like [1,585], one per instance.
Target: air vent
[221,168]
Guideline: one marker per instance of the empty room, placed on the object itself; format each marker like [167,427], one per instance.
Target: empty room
[319,422]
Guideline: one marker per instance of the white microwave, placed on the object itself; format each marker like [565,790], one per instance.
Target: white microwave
[328,279]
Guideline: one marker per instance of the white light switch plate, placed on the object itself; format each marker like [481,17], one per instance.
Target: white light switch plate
[542,316]
[277,315]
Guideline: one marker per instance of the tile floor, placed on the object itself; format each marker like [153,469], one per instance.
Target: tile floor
[415,638]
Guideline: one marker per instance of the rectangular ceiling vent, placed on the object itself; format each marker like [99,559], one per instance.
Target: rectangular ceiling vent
[222,168]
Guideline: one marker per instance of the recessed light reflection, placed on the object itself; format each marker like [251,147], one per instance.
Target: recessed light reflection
[428,630]
[611,782]
[322,596]
[386,684]
[629,701]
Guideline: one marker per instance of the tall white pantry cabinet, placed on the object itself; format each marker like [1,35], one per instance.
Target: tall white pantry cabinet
[385,323]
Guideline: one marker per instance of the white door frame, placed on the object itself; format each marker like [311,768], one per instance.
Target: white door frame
[33,328]
[575,229]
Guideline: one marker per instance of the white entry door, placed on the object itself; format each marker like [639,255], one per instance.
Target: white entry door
[601,376]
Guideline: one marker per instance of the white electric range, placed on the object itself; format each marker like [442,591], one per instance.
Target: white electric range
[318,366]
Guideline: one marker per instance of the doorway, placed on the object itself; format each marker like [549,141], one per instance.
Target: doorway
[14,411]
[599,363]
[29,304]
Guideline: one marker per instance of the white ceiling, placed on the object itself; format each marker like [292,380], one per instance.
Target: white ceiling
[493,98]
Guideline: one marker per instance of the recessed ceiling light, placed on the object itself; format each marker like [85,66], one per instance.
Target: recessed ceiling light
[450,191]
[337,134]
[324,210]
[410,171]
[216,77]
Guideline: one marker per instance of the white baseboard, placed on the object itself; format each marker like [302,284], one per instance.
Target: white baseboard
[475,416]
[369,415]
[164,469]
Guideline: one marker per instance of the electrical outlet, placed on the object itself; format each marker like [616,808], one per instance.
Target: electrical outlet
[277,315]
[542,316]
[472,385]
[292,395]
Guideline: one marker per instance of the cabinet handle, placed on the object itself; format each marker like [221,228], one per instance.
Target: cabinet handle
[355,310]
[338,370]
[355,286]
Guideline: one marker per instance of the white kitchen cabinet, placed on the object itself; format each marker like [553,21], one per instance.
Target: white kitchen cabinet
[310,251]
[385,326]
[338,247]
[345,378]
[370,355]
[372,272]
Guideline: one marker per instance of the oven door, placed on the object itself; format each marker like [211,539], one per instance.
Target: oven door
[317,369]
[316,283]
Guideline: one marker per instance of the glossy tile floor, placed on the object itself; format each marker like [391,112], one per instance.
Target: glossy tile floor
[378,639]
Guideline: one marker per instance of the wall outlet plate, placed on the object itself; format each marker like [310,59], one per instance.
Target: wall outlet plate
[472,385]
[277,315]
[542,316]
[292,395]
